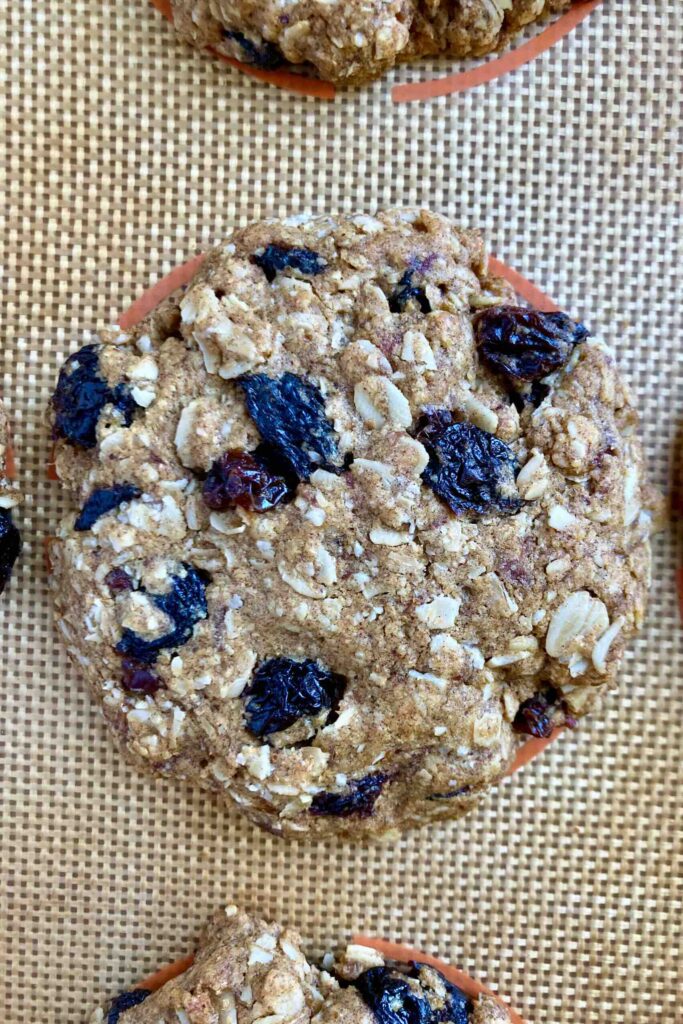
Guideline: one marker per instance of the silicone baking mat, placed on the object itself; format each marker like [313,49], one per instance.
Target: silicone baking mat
[123,155]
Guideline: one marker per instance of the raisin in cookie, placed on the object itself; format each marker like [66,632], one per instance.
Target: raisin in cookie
[348,520]
[352,42]
[10,542]
[246,970]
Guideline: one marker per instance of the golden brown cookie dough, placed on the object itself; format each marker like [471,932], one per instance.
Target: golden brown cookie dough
[349,41]
[453,547]
[248,971]
[10,543]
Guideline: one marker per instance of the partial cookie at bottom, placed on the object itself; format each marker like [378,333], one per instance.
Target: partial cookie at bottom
[249,971]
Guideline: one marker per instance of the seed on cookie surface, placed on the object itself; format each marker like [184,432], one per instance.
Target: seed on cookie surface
[341,563]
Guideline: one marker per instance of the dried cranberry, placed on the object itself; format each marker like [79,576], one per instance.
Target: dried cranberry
[275,258]
[10,546]
[289,412]
[524,345]
[471,470]
[118,581]
[535,716]
[406,293]
[125,1001]
[80,396]
[357,799]
[248,479]
[263,55]
[185,605]
[283,690]
[137,678]
[104,500]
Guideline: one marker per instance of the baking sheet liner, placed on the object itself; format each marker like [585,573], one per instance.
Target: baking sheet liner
[124,153]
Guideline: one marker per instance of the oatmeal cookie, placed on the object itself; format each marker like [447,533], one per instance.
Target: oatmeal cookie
[352,42]
[10,541]
[350,520]
[246,971]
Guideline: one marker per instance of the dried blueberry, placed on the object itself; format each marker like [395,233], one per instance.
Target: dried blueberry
[137,678]
[256,480]
[262,55]
[10,546]
[471,470]
[391,998]
[126,1001]
[535,716]
[457,1007]
[358,798]
[289,412]
[283,690]
[406,293]
[102,501]
[80,396]
[524,345]
[283,257]
[185,605]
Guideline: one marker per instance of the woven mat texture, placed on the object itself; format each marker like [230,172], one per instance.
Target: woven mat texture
[123,154]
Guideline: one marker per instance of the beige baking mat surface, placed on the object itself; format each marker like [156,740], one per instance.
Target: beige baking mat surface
[123,155]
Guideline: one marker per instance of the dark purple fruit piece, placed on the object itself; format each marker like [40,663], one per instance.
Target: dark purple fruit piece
[262,55]
[185,605]
[80,396]
[535,716]
[471,470]
[283,690]
[524,345]
[458,1006]
[102,501]
[391,998]
[406,293]
[126,1001]
[118,581]
[275,258]
[10,546]
[252,480]
[451,793]
[289,412]
[137,678]
[358,798]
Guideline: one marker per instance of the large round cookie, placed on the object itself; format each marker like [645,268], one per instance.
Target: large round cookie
[352,41]
[248,971]
[348,522]
[10,542]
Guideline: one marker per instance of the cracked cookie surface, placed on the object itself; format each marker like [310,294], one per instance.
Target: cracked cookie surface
[354,41]
[248,971]
[350,520]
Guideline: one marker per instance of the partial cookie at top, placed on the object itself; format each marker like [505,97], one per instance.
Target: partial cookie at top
[353,42]
[10,541]
[248,971]
[350,520]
